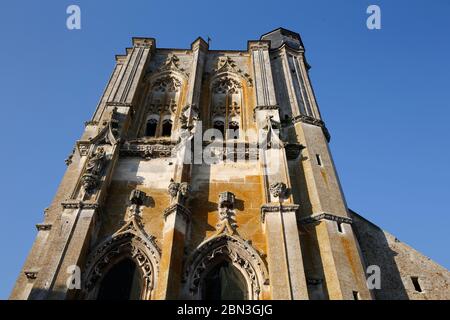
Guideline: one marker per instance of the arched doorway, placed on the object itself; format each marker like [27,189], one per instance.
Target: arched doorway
[225,262]
[224,282]
[122,282]
[128,259]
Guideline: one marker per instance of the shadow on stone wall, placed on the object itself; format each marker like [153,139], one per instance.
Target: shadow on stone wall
[376,251]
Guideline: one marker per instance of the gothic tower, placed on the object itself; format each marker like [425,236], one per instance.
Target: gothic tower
[203,174]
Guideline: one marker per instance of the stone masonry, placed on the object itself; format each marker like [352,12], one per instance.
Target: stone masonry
[270,207]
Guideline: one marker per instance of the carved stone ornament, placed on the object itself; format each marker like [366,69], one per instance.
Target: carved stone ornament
[226,199]
[179,192]
[83,148]
[148,153]
[108,131]
[272,138]
[77,204]
[188,117]
[43,226]
[219,109]
[137,197]
[166,84]
[68,160]
[226,211]
[167,70]
[226,85]
[235,109]
[278,189]
[89,182]
[228,65]
[173,189]
[31,274]
[130,241]
[93,170]
[172,64]
[147,149]
[233,249]
[185,189]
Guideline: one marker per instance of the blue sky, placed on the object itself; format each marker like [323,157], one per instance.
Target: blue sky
[384,95]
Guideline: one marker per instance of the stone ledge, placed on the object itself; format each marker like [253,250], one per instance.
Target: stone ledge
[43,226]
[324,216]
[293,150]
[31,274]
[277,208]
[76,204]
[147,150]
[178,208]
[313,121]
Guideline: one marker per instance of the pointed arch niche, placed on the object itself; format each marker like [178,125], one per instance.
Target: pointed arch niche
[227,98]
[225,267]
[163,100]
[123,267]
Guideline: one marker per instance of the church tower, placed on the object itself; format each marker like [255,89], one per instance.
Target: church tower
[203,174]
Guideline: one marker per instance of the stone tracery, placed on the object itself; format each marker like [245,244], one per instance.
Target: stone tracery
[130,241]
[231,248]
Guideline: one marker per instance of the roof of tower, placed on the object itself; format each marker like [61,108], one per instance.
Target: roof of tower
[281,36]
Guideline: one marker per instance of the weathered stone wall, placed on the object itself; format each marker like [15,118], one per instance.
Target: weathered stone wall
[288,230]
[399,263]
[240,178]
[151,176]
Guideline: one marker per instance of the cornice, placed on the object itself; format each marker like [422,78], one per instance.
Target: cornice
[293,150]
[268,107]
[77,204]
[313,121]
[147,149]
[324,216]
[43,226]
[178,209]
[258,44]
[119,104]
[267,208]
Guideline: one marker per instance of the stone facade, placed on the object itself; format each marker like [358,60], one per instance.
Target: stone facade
[271,206]
[401,266]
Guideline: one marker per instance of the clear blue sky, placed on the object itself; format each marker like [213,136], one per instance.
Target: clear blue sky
[384,95]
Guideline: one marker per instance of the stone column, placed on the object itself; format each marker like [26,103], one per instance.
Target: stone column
[176,222]
[177,216]
[342,263]
[80,197]
[325,211]
[286,273]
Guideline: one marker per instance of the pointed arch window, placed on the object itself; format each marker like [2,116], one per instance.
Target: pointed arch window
[167,128]
[224,282]
[122,282]
[162,102]
[226,267]
[233,130]
[220,126]
[150,128]
[226,103]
